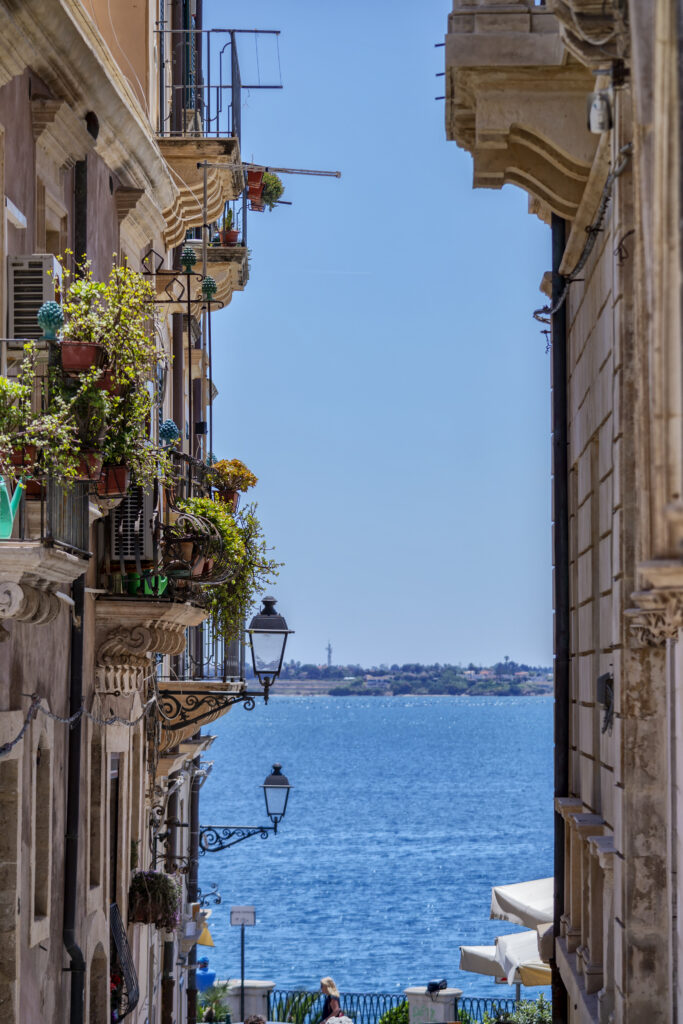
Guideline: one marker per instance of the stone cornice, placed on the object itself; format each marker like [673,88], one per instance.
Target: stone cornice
[59,42]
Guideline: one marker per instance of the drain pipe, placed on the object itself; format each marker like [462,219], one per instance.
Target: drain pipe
[77,965]
[560,471]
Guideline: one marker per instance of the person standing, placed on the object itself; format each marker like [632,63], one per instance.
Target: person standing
[331,1006]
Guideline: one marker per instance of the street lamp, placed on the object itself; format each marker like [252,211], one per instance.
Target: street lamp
[276,791]
[268,634]
[276,787]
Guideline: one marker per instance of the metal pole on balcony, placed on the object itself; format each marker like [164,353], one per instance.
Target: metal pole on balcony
[177,67]
[236,90]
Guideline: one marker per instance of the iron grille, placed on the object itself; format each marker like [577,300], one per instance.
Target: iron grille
[67,515]
[124,960]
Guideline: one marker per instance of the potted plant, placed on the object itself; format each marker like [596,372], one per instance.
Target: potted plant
[272,189]
[230,477]
[228,236]
[155,898]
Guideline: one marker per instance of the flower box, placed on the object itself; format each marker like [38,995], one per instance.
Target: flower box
[78,356]
[113,481]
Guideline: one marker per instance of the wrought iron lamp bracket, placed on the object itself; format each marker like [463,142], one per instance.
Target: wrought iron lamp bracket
[213,838]
[195,706]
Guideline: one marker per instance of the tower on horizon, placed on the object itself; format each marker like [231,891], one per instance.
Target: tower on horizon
[329,654]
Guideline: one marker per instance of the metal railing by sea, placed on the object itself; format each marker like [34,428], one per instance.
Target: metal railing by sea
[293,1006]
[300,1007]
[473,1010]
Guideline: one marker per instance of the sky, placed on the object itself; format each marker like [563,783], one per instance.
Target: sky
[381,373]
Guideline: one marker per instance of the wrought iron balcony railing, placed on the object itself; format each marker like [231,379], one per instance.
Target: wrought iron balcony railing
[127,994]
[55,515]
[200,82]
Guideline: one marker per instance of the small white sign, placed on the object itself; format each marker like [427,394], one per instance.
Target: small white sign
[243,915]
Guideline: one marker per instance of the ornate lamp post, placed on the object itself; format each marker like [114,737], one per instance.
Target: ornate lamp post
[276,787]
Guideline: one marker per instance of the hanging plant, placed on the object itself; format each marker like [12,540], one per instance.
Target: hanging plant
[272,189]
[155,898]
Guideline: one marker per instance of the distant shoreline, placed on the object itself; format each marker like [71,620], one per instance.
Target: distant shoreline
[333,688]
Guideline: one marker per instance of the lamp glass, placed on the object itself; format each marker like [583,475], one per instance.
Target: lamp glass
[276,791]
[268,651]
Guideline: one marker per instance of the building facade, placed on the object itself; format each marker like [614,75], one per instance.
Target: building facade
[578,102]
[106,110]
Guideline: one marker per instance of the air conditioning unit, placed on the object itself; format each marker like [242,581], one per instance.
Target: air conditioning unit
[32,280]
[131,526]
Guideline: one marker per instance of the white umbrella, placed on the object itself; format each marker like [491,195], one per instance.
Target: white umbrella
[519,959]
[480,960]
[525,903]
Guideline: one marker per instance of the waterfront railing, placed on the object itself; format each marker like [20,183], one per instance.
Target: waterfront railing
[299,1007]
[293,1006]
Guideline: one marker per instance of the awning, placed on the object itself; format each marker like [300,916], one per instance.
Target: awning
[525,903]
[480,960]
[519,959]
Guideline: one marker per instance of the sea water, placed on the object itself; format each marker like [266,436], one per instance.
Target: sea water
[404,812]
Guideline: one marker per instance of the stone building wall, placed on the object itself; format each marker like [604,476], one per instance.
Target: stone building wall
[617,947]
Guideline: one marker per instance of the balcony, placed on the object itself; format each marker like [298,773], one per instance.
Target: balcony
[47,550]
[199,121]
[518,104]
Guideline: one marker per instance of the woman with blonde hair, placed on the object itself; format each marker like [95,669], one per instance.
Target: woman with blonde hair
[331,1006]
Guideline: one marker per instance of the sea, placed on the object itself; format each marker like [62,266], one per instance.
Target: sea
[404,811]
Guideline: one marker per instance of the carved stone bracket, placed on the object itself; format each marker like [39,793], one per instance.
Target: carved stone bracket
[59,130]
[515,103]
[594,31]
[131,633]
[657,618]
[126,199]
[30,575]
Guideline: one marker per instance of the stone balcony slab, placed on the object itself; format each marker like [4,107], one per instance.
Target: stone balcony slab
[516,102]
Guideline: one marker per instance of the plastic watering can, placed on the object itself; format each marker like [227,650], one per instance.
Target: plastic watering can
[8,507]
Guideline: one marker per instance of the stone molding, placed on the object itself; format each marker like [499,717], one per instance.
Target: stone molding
[130,633]
[126,199]
[30,575]
[657,617]
[516,104]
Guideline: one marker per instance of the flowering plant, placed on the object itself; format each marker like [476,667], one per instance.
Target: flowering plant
[232,475]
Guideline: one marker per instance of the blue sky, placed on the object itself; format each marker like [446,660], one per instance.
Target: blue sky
[382,373]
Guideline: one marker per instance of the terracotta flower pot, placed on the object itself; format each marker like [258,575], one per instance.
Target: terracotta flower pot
[107,383]
[255,178]
[229,237]
[198,566]
[255,192]
[231,498]
[257,205]
[90,466]
[25,455]
[113,481]
[78,356]
[186,549]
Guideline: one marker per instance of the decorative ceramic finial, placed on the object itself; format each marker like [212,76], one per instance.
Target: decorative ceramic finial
[50,319]
[188,258]
[209,288]
[168,432]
